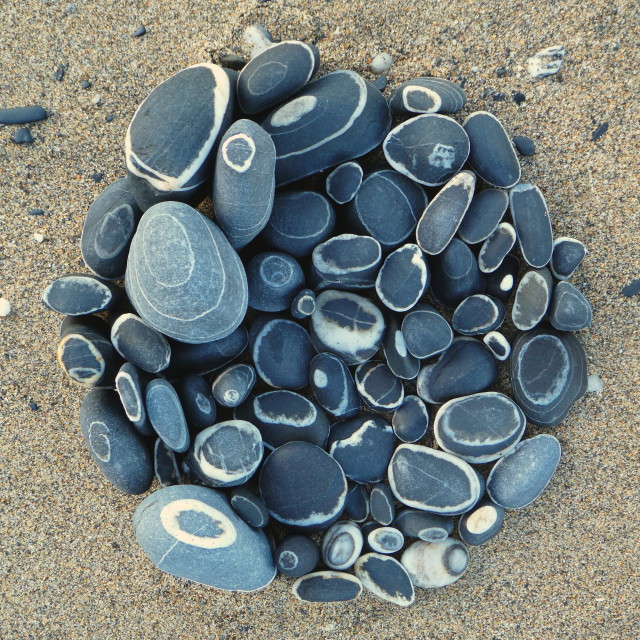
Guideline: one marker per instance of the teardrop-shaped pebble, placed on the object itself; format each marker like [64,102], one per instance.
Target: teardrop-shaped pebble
[131,383]
[495,248]
[166,414]
[378,387]
[165,466]
[385,578]
[343,182]
[296,556]
[232,386]
[533,296]
[381,504]
[333,386]
[477,315]
[341,545]
[403,278]
[570,310]
[426,333]
[484,214]
[327,586]
[197,401]
[427,95]
[140,344]
[566,256]
[482,523]
[533,224]
[435,564]
[430,527]
[273,279]
[410,420]
[385,540]
[498,345]
[501,283]
[356,506]
[402,363]
[303,304]
[249,507]
[79,294]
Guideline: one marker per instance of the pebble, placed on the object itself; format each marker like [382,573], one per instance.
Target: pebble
[363,447]
[341,545]
[333,386]
[296,556]
[548,374]
[501,282]
[569,310]
[303,486]
[496,247]
[378,387]
[429,527]
[273,279]
[427,95]
[518,97]
[410,420]
[482,523]
[140,344]
[232,61]
[498,345]
[429,149]
[479,428]
[432,565]
[296,234]
[131,383]
[532,222]
[477,315]
[192,532]
[426,333]
[115,446]
[600,131]
[334,119]
[566,256]
[327,586]
[595,384]
[492,155]
[166,414]
[258,37]
[432,480]
[403,278]
[183,277]
[22,115]
[356,506]
[484,214]
[197,401]
[282,352]
[385,578]
[385,540]
[244,182]
[524,145]
[226,454]
[85,84]
[171,139]
[78,294]
[165,466]
[402,363]
[249,507]
[546,62]
[381,504]
[22,136]
[519,478]
[232,386]
[631,289]
[5,308]
[348,325]
[108,230]
[36,212]
[38,237]
[380,83]
[381,62]
[303,304]
[533,296]
[276,73]
[343,182]
[140,31]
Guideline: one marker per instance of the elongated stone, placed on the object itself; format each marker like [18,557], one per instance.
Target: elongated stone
[249,507]
[533,296]
[343,182]
[166,414]
[477,315]
[570,310]
[429,527]
[403,278]
[410,420]
[426,333]
[482,523]
[401,362]
[501,283]
[356,506]
[496,247]
[140,344]
[327,586]
[297,555]
[78,294]
[131,383]
[381,504]
[484,214]
[378,387]
[341,545]
[273,279]
[435,564]
[232,386]
[427,95]
[197,401]
[566,256]
[165,466]
[385,578]
[22,115]
[333,386]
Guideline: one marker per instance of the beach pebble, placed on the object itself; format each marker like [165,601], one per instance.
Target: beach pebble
[79,294]
[426,333]
[496,247]
[165,466]
[337,118]
[303,304]
[410,420]
[378,387]
[569,310]
[402,363]
[296,556]
[140,344]
[482,523]
[432,480]
[232,386]
[380,83]
[427,95]
[192,532]
[197,401]
[435,564]
[5,308]
[22,115]
[498,345]
[166,414]
[403,278]
[139,32]
[477,315]
[546,62]
[516,480]
[232,61]
[333,386]
[183,277]
[492,155]
[21,136]
[131,383]
[385,540]
[381,62]
[385,578]
[533,296]
[566,256]
[273,279]
[343,182]
[356,506]
[484,214]
[548,374]
[429,527]
[257,36]
[341,545]
[244,182]
[524,145]
[501,283]
[303,486]
[429,149]
[115,446]
[381,504]
[595,384]
[327,586]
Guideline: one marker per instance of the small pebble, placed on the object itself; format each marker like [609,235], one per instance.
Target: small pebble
[296,556]
[498,345]
[381,504]
[109,118]
[96,99]
[304,304]
[566,256]
[524,145]
[97,177]
[411,420]
[435,564]
[385,578]
[258,37]
[85,84]
[22,115]
[36,212]
[356,506]
[381,62]
[38,237]
[22,136]
[429,527]
[631,289]
[33,406]
[501,71]
[60,72]
[546,62]
[385,540]
[327,586]
[5,307]
[232,61]
[380,83]
[518,97]
[232,386]
[600,131]
[595,384]
[482,523]
[140,31]
[341,545]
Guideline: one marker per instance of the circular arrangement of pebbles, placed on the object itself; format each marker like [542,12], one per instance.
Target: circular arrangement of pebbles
[308,372]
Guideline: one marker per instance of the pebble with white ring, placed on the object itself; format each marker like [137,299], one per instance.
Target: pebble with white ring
[140,344]
[427,95]
[482,523]
[273,279]
[356,506]
[477,315]
[484,214]
[435,564]
[569,310]
[378,387]
[196,400]
[166,414]
[496,247]
[385,540]
[566,256]
[232,386]
[410,420]
[532,300]
[426,333]
[165,466]
[333,386]
[402,363]
[296,556]
[327,586]
[131,383]
[381,504]
[403,278]
[498,345]
[303,304]
[341,545]
[249,507]
[343,182]
[385,578]
[429,527]
[79,294]
[501,283]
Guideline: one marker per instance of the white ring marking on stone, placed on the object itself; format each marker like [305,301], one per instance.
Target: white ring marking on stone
[103,457]
[413,88]
[240,168]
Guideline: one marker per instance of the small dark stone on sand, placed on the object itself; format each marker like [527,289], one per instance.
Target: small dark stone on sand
[22,115]
[498,96]
[518,97]
[109,118]
[501,71]
[600,131]
[22,136]
[36,212]
[631,289]
[232,61]
[60,72]
[139,32]
[524,145]
[33,406]
[380,83]
[97,177]
[85,84]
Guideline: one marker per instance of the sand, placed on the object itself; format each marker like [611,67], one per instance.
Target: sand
[565,567]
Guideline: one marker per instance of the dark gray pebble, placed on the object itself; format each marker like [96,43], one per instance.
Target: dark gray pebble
[496,247]
[296,556]
[524,145]
[79,294]
[569,310]
[483,215]
[401,362]
[378,387]
[600,131]
[22,115]
[566,256]
[518,97]
[403,278]
[60,72]
[166,414]
[631,289]
[482,523]
[140,31]
[343,182]
[356,506]
[410,420]
[36,212]
[380,83]
[381,504]
[427,95]
[533,296]
[477,315]
[249,507]
[304,304]
[426,333]
[22,136]
[165,465]
[131,383]
[140,344]
[273,279]
[232,61]
[85,84]
[429,527]
[197,401]
[327,586]
[231,387]
[385,578]
[333,386]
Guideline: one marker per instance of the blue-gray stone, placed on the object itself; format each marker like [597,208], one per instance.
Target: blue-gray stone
[401,362]
[333,386]
[429,527]
[569,310]
[249,507]
[343,182]
[496,247]
[427,95]
[341,545]
[385,540]
[403,278]
[501,283]
[431,565]
[566,256]
[165,466]
[484,214]
[410,420]
[297,555]
[232,61]
[381,504]
[385,578]
[197,401]
[21,136]
[532,300]
[356,506]
[426,333]
[303,304]
[477,315]
[166,414]
[79,294]
[140,344]
[380,83]
[22,115]
[131,383]
[482,523]
[524,145]
[378,387]
[498,345]
[232,386]
[273,279]
[327,586]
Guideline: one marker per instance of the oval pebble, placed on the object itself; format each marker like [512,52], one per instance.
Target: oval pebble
[303,304]
[435,564]
[385,578]
[296,556]
[482,523]
[566,256]
[356,506]
[197,401]
[249,507]
[166,414]
[78,294]
[273,279]
[429,527]
[140,344]
[333,386]
[22,115]
[496,247]
[232,386]
[381,504]
[484,214]
[427,95]
[402,363]
[378,387]
[410,420]
[403,278]
[165,466]
[498,345]
[569,310]
[131,383]
[385,540]
[533,296]
[341,545]
[343,182]
[477,315]
[327,586]
[426,333]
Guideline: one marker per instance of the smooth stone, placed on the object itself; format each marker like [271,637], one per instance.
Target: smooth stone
[628,290]
[249,507]
[366,529]
[356,506]
[479,428]
[429,527]
[432,480]
[501,283]
[273,279]
[275,74]
[386,207]
[22,115]
[435,564]
[524,145]
[327,586]
[410,420]
[381,504]
[232,386]
[165,466]
[296,556]
[183,277]
[244,182]
[303,486]
[197,401]
[232,61]
[140,344]
[108,230]
[115,446]
[445,212]
[378,387]
[546,62]
[363,447]
[466,367]
[348,325]
[303,304]
[257,36]
[341,545]
[333,386]
[171,141]
[477,315]
[426,333]
[492,156]
[381,62]
[427,95]
[166,414]
[385,540]
[300,220]
[346,261]
[484,214]
[21,136]
[226,454]
[131,383]
[532,222]
[343,182]
[496,247]
[548,374]
[385,578]
[192,532]
[282,352]
[380,83]
[482,523]
[566,256]
[532,300]
[519,478]
[455,275]
[402,363]
[403,278]
[334,119]
[429,149]
[79,294]
[569,310]
[498,345]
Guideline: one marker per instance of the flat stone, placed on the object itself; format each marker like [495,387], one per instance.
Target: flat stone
[296,556]
[381,504]
[385,540]
[426,333]
[165,466]
[477,315]
[333,386]
[385,578]
[482,523]
[140,344]
[496,247]
[403,278]
[498,345]
[631,289]
[380,82]
[166,414]
[327,586]
[21,136]
[131,383]
[524,145]
[303,304]
[533,296]
[197,401]
[343,182]
[356,506]
[501,283]
[341,545]
[566,256]
[78,294]
[381,62]
[546,62]
[22,115]
[273,279]
[427,95]
[429,527]
[378,387]
[249,507]
[435,564]
[569,310]
[410,420]
[232,386]
[402,363]
[484,214]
